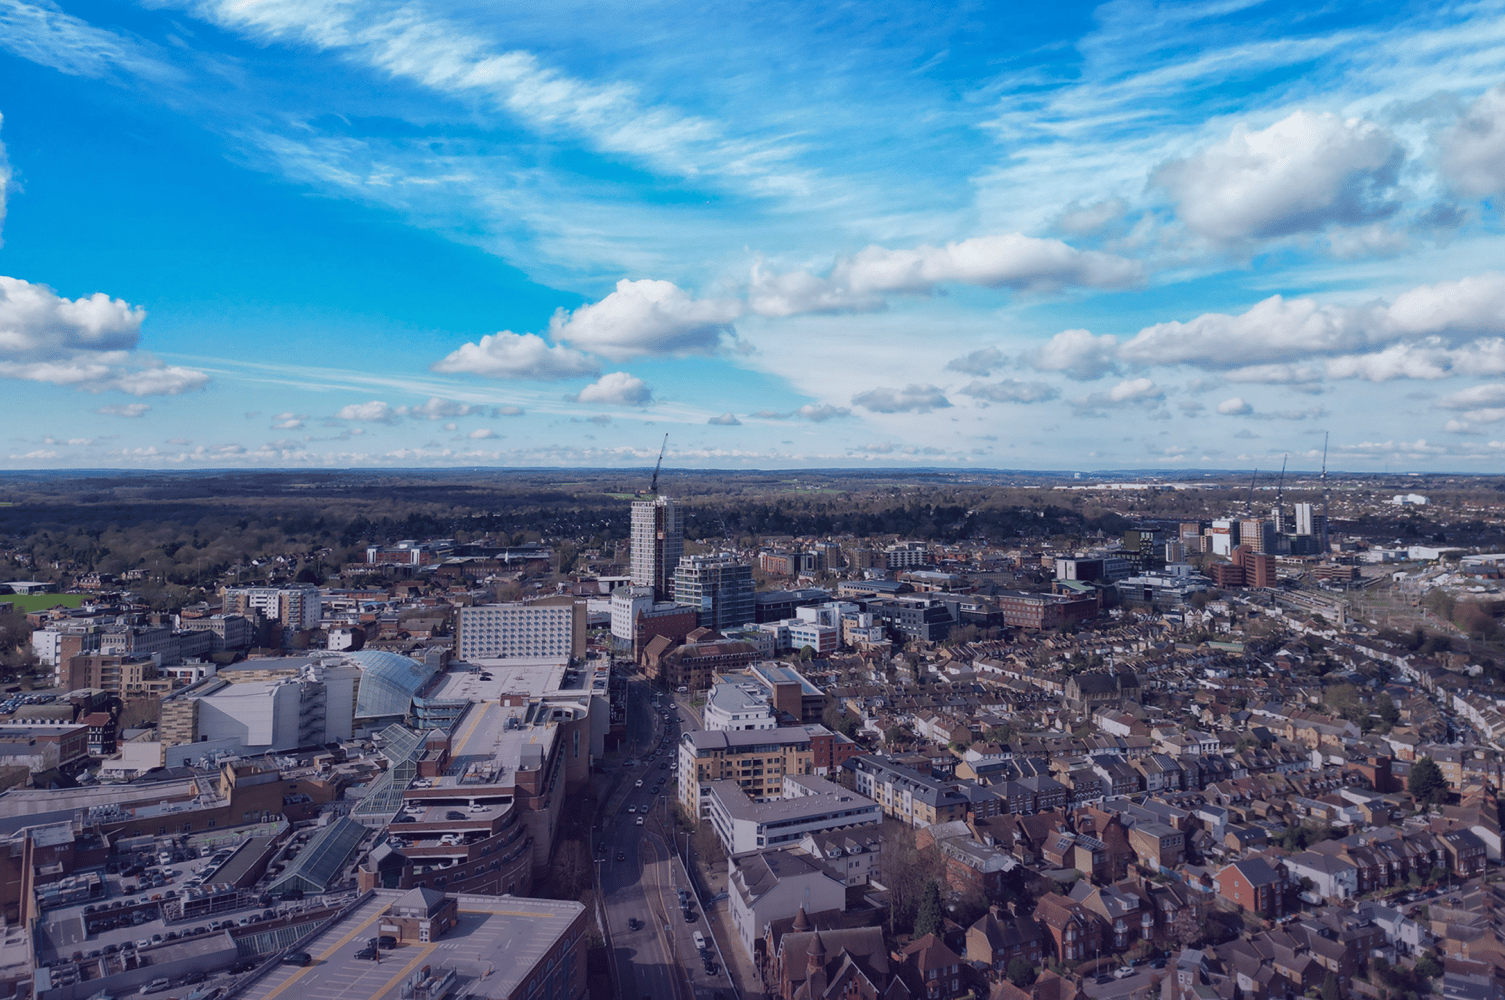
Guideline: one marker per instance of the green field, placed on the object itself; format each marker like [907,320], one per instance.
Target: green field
[41,602]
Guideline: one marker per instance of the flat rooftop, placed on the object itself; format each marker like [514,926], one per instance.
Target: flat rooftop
[528,676]
[496,944]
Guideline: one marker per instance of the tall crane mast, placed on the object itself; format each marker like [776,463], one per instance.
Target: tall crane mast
[653,487]
[1280,490]
[1250,505]
[1325,549]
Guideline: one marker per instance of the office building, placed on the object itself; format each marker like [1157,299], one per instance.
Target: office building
[658,542]
[718,587]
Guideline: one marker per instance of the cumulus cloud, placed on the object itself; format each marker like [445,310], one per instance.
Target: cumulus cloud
[1078,354]
[1141,392]
[647,317]
[375,411]
[617,389]
[725,420]
[1011,391]
[1480,404]
[1473,150]
[87,343]
[912,398]
[1089,220]
[131,410]
[1235,407]
[1008,260]
[1426,332]
[1136,390]
[439,409]
[981,362]
[508,355]
[819,414]
[1302,174]
[481,433]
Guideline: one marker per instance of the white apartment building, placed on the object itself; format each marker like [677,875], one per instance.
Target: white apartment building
[626,604]
[734,707]
[296,607]
[507,631]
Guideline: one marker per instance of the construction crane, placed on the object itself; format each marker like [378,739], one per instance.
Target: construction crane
[653,487]
[1280,489]
[1250,504]
[1325,550]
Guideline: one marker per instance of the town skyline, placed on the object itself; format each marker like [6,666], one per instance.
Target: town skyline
[1103,237]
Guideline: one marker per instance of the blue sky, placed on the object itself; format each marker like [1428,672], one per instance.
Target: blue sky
[325,233]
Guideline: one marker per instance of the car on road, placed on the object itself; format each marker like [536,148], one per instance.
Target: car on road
[638,783]
[1158,963]
[1122,972]
[711,968]
[621,855]
[689,915]
[634,924]
[297,958]
[640,821]
[367,953]
[1103,980]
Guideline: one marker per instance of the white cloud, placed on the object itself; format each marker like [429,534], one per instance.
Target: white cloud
[1091,219]
[1078,354]
[616,388]
[1303,173]
[124,410]
[1268,342]
[439,409]
[86,343]
[509,355]
[1135,390]
[819,414]
[1235,407]
[375,411]
[1486,396]
[647,317]
[37,324]
[1473,150]
[507,411]
[1011,391]
[911,399]
[481,433]
[980,362]
[725,420]
[1008,260]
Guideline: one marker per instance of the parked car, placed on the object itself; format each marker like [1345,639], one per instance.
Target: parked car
[297,958]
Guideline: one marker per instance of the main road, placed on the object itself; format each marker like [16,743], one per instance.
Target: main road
[639,879]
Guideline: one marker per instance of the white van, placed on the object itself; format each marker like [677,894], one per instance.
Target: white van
[699,941]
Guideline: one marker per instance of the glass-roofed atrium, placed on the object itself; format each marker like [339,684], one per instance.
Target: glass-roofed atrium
[388,683]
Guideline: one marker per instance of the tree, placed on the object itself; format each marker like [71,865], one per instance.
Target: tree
[1021,973]
[1385,706]
[928,919]
[1427,965]
[1330,986]
[1426,783]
